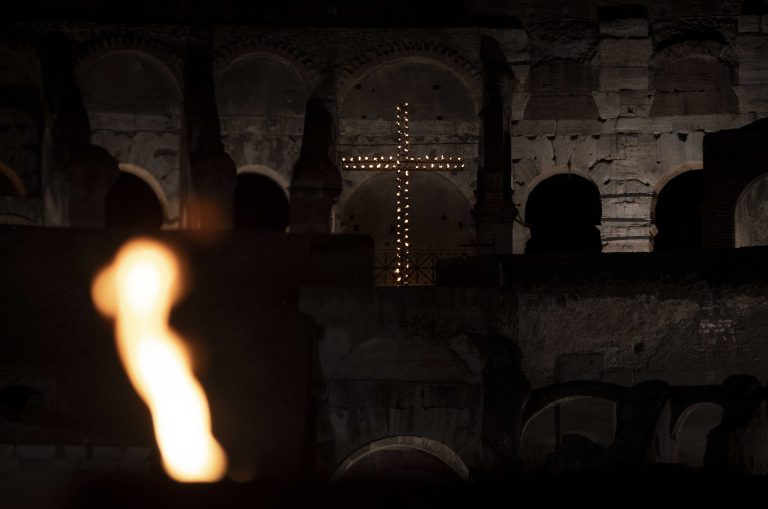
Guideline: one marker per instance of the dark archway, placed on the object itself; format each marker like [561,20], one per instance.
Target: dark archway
[693,430]
[678,213]
[562,213]
[545,432]
[132,204]
[260,204]
[21,403]
[6,186]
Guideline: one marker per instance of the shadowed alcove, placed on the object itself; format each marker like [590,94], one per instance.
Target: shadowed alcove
[588,417]
[261,100]
[259,204]
[678,213]
[132,204]
[692,432]
[7,186]
[442,120]
[563,212]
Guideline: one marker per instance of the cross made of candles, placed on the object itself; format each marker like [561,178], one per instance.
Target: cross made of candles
[402,163]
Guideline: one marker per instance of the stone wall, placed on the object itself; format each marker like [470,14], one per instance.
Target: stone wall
[416,361]
[620,95]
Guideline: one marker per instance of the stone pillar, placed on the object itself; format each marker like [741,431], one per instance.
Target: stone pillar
[316,181]
[625,50]
[495,212]
[77,174]
[208,194]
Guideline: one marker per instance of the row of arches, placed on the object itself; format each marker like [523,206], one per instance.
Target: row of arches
[136,201]
[695,75]
[563,213]
[135,105]
[593,421]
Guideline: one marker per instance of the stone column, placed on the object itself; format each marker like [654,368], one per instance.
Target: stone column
[208,194]
[316,181]
[627,197]
[77,175]
[495,212]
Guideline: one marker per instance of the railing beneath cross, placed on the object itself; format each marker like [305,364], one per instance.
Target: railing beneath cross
[403,163]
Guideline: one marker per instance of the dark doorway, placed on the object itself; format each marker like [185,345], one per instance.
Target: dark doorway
[678,213]
[404,465]
[260,204]
[6,186]
[562,213]
[132,204]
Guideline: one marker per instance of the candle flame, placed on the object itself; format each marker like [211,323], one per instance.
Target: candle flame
[138,289]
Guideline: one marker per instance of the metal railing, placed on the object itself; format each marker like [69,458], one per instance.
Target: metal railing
[423,270]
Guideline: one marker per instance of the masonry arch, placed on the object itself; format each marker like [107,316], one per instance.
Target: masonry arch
[134,104]
[426,83]
[592,417]
[694,77]
[563,211]
[132,203]
[260,200]
[278,177]
[129,80]
[677,212]
[149,179]
[10,183]
[441,215]
[443,119]
[262,99]
[404,458]
[561,89]
[691,431]
[751,214]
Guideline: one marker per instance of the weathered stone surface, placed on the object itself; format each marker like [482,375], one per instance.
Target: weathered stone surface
[625,52]
[749,23]
[620,78]
[624,27]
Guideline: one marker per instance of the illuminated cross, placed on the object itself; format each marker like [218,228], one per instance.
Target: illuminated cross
[403,164]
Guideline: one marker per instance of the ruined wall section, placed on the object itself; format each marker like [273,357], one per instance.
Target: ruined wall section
[663,83]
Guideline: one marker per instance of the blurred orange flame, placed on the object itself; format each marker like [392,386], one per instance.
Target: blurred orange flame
[138,289]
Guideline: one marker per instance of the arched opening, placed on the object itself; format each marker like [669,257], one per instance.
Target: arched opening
[131,204]
[443,121]
[404,459]
[695,85]
[562,89]
[751,214]
[433,92]
[129,81]
[563,212]
[588,417]
[134,107]
[260,204]
[261,102]
[692,431]
[7,187]
[441,216]
[678,213]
